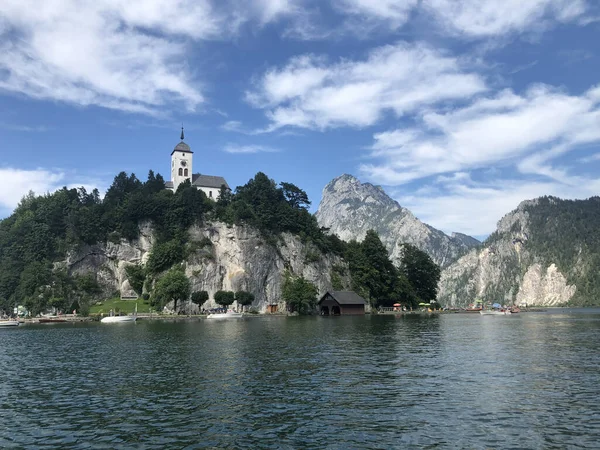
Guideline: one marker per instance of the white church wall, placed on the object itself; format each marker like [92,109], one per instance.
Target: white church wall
[211,193]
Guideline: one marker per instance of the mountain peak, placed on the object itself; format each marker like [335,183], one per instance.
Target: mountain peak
[350,208]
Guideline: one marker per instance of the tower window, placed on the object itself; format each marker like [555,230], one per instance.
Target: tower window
[210,194]
[185,172]
[180,171]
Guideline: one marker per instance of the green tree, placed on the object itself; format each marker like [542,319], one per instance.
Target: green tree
[224,298]
[244,298]
[136,275]
[164,255]
[299,294]
[373,273]
[173,286]
[421,272]
[295,196]
[199,297]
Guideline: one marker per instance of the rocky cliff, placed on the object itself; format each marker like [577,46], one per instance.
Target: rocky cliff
[546,253]
[237,258]
[350,208]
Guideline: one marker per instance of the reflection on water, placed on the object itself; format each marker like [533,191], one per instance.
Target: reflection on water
[463,381]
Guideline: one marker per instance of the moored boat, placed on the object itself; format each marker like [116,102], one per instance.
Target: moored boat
[230,314]
[9,323]
[120,319]
[494,312]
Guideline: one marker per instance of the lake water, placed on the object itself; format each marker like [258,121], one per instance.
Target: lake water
[531,380]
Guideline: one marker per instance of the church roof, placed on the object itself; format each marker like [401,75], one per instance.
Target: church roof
[208,181]
[182,147]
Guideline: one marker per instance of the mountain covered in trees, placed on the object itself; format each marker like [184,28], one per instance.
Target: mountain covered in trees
[350,208]
[73,247]
[545,252]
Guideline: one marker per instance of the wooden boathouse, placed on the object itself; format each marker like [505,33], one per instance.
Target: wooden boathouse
[341,303]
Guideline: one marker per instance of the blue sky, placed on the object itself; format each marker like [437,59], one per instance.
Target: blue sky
[460,109]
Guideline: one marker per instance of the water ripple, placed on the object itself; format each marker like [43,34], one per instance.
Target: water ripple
[448,381]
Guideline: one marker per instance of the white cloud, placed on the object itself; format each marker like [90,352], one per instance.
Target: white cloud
[483,18]
[234,126]
[235,148]
[504,129]
[128,56]
[591,158]
[463,205]
[523,135]
[17,183]
[27,128]
[393,12]
[311,93]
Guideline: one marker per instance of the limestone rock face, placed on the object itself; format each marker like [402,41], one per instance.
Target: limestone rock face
[548,287]
[505,270]
[108,261]
[350,208]
[223,257]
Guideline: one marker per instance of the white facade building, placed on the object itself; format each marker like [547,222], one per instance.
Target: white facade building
[182,158]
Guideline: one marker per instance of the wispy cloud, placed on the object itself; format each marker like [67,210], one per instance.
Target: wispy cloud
[25,128]
[486,18]
[310,92]
[591,158]
[128,56]
[504,129]
[236,148]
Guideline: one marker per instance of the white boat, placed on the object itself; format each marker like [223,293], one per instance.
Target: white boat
[120,319]
[9,323]
[494,312]
[230,314]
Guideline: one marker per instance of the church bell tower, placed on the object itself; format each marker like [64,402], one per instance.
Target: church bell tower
[181,163]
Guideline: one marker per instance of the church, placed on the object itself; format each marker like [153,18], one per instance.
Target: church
[181,170]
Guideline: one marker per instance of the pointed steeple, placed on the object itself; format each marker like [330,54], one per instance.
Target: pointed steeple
[182,132]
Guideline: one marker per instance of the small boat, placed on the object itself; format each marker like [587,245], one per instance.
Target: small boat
[494,312]
[51,320]
[475,307]
[120,319]
[9,323]
[230,314]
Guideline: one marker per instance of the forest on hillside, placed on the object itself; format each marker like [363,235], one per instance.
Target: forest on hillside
[42,229]
[565,233]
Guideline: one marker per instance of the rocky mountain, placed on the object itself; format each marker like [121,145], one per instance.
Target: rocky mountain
[350,208]
[546,252]
[228,258]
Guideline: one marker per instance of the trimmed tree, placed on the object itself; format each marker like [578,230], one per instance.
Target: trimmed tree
[224,298]
[199,297]
[244,298]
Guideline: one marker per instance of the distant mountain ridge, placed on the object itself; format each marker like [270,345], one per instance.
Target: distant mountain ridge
[350,208]
[546,252]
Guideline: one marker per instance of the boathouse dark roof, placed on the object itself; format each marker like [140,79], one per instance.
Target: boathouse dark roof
[345,297]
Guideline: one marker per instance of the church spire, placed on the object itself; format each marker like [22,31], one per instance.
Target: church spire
[182,132]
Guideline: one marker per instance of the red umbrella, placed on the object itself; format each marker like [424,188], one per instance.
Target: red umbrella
[396,304]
